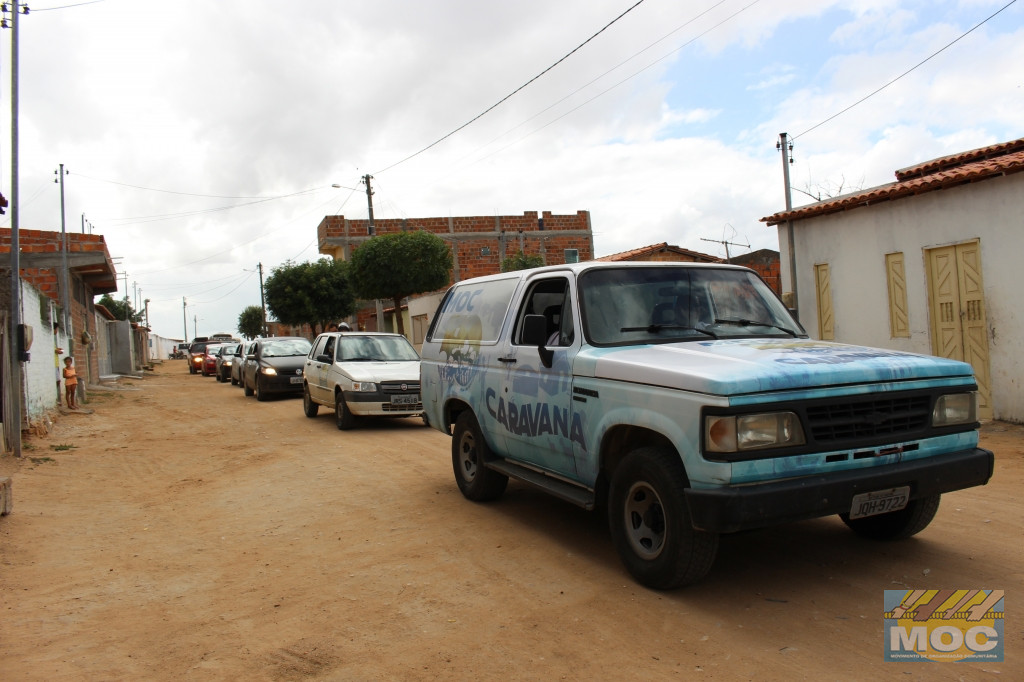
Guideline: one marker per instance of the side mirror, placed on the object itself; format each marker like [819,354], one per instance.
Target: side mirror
[535,333]
[323,357]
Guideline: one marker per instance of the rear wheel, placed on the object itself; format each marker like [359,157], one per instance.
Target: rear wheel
[342,416]
[469,452]
[308,406]
[896,525]
[650,522]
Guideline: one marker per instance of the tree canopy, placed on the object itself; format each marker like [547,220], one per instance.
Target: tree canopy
[250,322]
[313,293]
[121,309]
[394,266]
[521,261]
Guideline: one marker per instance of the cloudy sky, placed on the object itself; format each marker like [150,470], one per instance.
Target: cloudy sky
[204,138]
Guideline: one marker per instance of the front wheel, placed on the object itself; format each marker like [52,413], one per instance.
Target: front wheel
[343,417]
[261,389]
[896,525]
[469,452]
[650,523]
[309,408]
[245,388]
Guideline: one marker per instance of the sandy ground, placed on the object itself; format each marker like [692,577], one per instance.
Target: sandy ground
[184,532]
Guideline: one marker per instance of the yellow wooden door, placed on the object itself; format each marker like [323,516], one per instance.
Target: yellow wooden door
[899,318]
[959,328]
[823,293]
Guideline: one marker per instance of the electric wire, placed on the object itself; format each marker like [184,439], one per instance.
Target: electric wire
[913,68]
[508,96]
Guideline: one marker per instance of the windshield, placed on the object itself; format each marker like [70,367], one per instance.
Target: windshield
[285,348]
[376,349]
[664,304]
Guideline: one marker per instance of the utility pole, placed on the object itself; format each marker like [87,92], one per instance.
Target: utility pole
[370,229]
[786,147]
[195,325]
[12,386]
[65,275]
[184,318]
[263,304]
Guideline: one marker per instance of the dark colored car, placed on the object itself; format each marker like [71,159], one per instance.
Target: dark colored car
[275,366]
[238,365]
[227,356]
[209,364]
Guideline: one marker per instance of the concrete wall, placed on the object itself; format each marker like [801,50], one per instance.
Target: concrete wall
[854,243]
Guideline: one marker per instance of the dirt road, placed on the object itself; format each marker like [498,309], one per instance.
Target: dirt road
[185,532]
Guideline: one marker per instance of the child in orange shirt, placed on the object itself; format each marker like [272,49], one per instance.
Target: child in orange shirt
[70,383]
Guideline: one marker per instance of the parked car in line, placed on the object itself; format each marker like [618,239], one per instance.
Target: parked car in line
[226,358]
[238,366]
[209,364]
[275,366]
[196,351]
[359,374]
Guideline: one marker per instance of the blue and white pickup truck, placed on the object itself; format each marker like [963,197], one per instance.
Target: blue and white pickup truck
[686,400]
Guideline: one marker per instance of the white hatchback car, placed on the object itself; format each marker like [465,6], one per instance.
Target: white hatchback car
[362,374]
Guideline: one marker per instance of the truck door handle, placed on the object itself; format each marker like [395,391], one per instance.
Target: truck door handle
[506,359]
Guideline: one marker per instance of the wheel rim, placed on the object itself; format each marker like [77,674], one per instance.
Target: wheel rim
[645,521]
[467,456]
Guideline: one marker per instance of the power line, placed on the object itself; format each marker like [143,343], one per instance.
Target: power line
[922,62]
[506,97]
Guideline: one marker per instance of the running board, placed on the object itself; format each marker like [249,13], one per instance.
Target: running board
[563,490]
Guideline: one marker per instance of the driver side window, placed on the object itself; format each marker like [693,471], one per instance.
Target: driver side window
[550,298]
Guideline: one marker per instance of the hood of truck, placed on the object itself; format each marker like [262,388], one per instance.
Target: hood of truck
[739,366]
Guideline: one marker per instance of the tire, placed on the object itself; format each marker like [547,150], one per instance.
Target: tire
[650,522]
[309,408]
[219,377]
[261,389]
[343,417]
[469,451]
[234,381]
[245,388]
[896,525]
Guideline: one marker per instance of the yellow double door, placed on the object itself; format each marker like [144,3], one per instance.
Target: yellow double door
[956,298]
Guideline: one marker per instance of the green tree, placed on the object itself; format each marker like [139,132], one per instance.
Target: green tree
[394,266]
[313,293]
[121,309]
[250,322]
[521,261]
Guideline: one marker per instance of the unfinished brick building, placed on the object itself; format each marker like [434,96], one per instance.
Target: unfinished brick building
[479,244]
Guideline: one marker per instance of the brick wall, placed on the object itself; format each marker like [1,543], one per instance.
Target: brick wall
[479,243]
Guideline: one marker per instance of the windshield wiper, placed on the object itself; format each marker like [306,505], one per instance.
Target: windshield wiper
[754,323]
[655,328]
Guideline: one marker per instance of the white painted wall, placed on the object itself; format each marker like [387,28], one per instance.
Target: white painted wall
[39,372]
[854,244]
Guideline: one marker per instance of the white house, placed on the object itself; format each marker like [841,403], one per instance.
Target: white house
[926,264]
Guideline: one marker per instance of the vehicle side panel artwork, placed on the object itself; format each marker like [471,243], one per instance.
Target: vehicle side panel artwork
[692,380]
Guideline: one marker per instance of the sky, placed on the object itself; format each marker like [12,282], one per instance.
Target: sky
[204,139]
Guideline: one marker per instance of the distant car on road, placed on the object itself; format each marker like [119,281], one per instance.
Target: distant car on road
[362,375]
[196,352]
[275,366]
[209,364]
[227,356]
[238,365]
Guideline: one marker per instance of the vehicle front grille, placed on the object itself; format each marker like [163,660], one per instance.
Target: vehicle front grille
[388,407]
[390,387]
[870,417]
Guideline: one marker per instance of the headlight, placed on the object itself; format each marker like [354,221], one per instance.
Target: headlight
[227,363]
[955,408]
[269,371]
[364,386]
[752,431]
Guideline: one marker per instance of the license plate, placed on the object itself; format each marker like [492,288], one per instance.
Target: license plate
[296,380]
[879,502]
[410,399]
